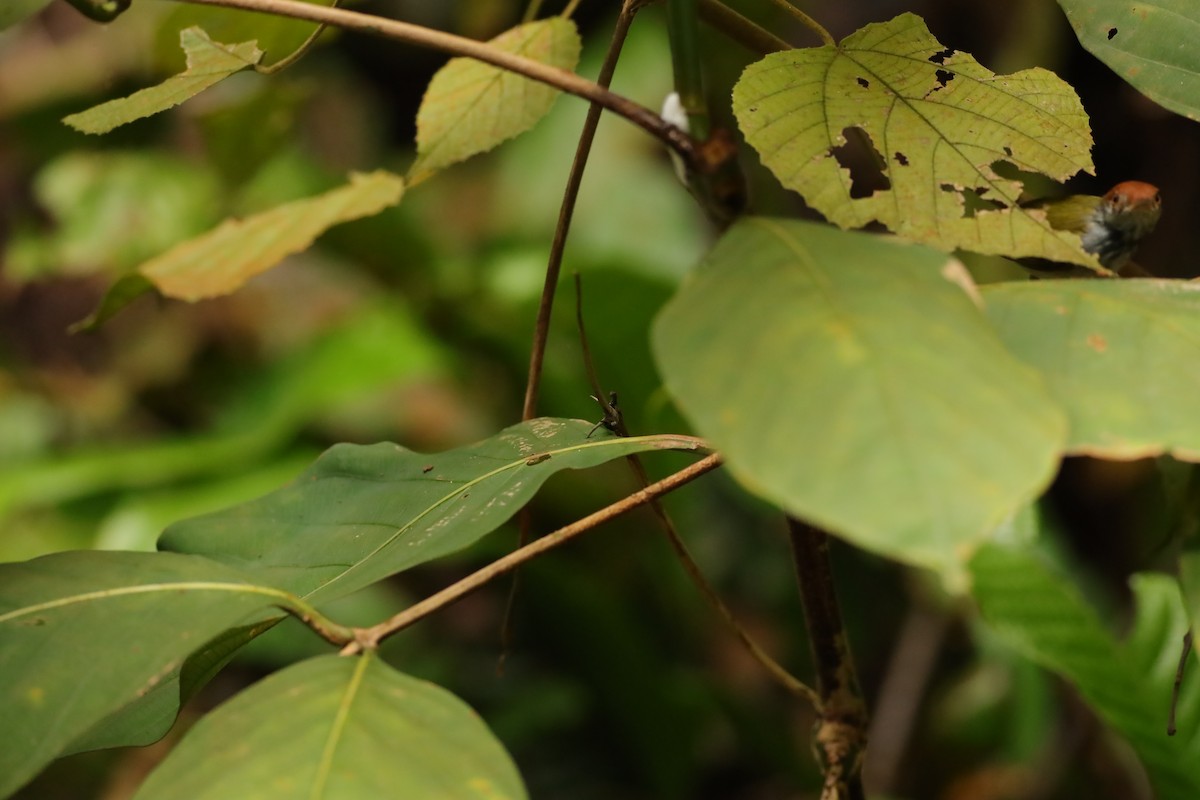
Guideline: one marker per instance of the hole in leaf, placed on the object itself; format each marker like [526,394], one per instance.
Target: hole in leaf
[974,200]
[943,77]
[901,159]
[1111,33]
[863,82]
[864,162]
[1007,151]
[1031,182]
[941,56]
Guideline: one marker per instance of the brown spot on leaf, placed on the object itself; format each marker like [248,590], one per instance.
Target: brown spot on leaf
[1097,342]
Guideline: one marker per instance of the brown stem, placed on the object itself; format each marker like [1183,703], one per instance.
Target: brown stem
[842,733]
[784,678]
[567,210]
[561,79]
[741,30]
[371,637]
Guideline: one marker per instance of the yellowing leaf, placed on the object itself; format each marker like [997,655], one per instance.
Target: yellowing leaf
[470,107]
[223,259]
[949,136]
[208,63]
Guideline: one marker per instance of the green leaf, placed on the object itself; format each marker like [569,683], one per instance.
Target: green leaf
[220,261]
[1149,44]
[82,634]
[208,63]
[13,11]
[847,378]
[470,107]
[944,128]
[1039,611]
[1115,354]
[362,513]
[333,727]
[276,36]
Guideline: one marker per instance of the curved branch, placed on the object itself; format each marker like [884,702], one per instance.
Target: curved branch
[370,637]
[569,82]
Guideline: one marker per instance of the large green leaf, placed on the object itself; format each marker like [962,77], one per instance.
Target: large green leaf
[338,728]
[220,261]
[941,126]
[83,634]
[1119,356]
[847,378]
[470,107]
[208,63]
[1038,610]
[1151,44]
[361,513]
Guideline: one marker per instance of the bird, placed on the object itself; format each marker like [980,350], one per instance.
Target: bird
[1109,227]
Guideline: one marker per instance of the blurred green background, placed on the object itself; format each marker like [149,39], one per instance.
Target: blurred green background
[414,327]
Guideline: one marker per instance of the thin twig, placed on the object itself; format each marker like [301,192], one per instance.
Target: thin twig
[541,329]
[566,212]
[1183,658]
[746,33]
[806,21]
[568,82]
[371,637]
[324,627]
[842,733]
[298,53]
[690,567]
[902,693]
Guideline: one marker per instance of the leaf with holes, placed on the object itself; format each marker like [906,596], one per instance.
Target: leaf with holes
[220,261]
[470,107]
[84,634]
[208,63]
[362,513]
[850,379]
[1151,44]
[333,727]
[1118,356]
[949,137]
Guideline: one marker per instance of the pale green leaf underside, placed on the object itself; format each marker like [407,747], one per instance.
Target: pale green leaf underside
[936,142]
[13,11]
[1040,613]
[1150,44]
[208,63]
[142,613]
[470,107]
[333,728]
[362,513]
[808,355]
[1118,356]
[220,261]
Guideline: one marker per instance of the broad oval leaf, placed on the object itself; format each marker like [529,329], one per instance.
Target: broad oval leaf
[208,63]
[220,261]
[1149,44]
[470,107]
[83,634]
[1040,612]
[1119,356]
[848,379]
[344,728]
[362,513]
[941,125]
